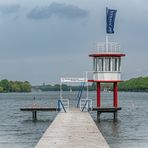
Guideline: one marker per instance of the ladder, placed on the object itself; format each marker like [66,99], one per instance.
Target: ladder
[80,93]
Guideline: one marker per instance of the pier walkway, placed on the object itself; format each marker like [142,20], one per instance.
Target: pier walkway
[74,129]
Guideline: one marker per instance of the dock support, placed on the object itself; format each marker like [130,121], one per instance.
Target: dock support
[98,94]
[34,115]
[98,116]
[107,110]
[115,95]
[115,115]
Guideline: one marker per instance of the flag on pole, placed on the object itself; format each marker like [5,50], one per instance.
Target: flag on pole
[110,20]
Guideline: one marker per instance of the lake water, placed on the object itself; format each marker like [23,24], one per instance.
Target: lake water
[17,130]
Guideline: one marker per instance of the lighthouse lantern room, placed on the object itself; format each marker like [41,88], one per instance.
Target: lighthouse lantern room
[107,63]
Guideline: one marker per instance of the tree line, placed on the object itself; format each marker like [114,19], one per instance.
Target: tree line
[14,86]
[134,84]
[66,87]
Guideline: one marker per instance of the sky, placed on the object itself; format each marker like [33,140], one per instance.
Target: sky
[43,40]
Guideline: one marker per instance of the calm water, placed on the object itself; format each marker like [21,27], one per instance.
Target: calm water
[17,130]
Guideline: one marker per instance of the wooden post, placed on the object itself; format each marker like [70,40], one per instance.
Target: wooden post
[115,116]
[98,116]
[98,94]
[115,95]
[34,115]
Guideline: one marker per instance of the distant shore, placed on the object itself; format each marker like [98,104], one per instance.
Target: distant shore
[139,84]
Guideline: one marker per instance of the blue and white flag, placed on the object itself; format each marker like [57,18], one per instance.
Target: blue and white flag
[110,20]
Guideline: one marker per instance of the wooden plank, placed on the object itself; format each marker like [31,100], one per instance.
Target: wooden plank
[74,129]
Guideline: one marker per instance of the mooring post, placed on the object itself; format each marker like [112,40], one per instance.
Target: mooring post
[98,116]
[34,115]
[115,115]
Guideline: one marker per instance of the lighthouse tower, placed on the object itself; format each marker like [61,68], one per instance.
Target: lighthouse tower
[107,65]
[107,69]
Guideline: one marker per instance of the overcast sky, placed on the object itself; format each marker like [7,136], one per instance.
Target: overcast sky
[42,40]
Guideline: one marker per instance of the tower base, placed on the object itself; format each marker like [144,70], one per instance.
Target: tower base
[107,110]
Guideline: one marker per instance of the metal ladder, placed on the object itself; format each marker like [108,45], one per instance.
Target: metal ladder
[80,93]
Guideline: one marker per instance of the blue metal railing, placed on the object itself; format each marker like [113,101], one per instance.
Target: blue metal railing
[60,104]
[87,101]
[80,93]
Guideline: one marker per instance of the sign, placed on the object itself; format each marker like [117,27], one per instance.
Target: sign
[73,79]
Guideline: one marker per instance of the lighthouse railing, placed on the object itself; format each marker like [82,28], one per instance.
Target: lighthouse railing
[90,75]
[110,47]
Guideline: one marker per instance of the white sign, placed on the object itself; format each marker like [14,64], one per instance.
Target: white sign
[74,79]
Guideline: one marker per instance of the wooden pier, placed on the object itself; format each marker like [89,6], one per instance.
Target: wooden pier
[34,110]
[73,129]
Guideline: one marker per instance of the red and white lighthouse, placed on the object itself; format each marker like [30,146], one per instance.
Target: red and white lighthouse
[107,69]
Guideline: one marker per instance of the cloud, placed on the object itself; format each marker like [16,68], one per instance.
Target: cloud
[58,9]
[8,9]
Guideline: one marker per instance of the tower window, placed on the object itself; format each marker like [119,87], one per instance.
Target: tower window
[116,63]
[119,64]
[95,64]
[107,64]
[100,65]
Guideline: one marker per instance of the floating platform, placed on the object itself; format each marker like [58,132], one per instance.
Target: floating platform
[73,129]
[38,109]
[35,109]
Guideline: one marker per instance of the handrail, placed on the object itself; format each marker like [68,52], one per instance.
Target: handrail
[80,93]
[87,101]
[59,108]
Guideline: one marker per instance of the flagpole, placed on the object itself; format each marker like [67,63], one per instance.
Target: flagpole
[106,39]
[106,42]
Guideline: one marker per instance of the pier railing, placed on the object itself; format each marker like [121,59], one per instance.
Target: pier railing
[85,104]
[63,105]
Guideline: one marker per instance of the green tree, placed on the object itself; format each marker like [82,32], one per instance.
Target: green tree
[1,89]
[5,85]
[14,86]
